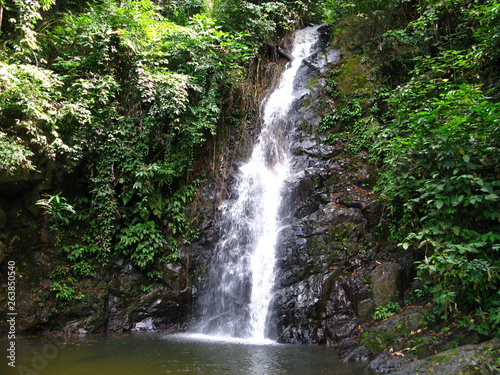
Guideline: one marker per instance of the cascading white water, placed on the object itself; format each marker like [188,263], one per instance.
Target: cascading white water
[241,276]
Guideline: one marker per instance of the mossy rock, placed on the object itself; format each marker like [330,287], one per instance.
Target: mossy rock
[479,359]
[354,33]
[380,336]
[386,283]
[353,76]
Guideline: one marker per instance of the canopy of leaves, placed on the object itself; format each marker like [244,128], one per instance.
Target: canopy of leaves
[123,95]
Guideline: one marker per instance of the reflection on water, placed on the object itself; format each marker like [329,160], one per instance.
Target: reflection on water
[156,353]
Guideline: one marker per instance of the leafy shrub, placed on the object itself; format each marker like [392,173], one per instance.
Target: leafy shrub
[151,92]
[385,311]
[56,208]
[258,22]
[63,284]
[180,11]
[143,242]
[30,108]
[438,145]
[441,182]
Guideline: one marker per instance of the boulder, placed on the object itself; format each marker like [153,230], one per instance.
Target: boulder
[377,337]
[480,359]
[386,282]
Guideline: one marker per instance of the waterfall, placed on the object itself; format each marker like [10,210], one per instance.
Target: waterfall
[240,279]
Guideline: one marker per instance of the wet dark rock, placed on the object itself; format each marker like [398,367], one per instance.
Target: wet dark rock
[326,284]
[3,217]
[117,322]
[133,305]
[112,302]
[320,309]
[351,351]
[323,254]
[386,363]
[478,359]
[365,309]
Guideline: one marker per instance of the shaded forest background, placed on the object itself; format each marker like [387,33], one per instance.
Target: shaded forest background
[124,100]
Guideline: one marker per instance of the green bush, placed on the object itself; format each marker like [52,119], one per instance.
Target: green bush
[31,106]
[385,311]
[149,92]
[124,95]
[441,184]
[143,242]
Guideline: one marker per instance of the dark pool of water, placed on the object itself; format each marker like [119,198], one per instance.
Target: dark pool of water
[157,353]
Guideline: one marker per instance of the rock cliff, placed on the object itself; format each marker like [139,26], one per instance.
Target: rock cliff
[331,273]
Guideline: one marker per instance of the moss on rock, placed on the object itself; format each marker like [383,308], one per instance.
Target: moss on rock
[380,336]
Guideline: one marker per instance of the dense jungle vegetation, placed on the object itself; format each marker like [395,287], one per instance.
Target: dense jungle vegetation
[125,96]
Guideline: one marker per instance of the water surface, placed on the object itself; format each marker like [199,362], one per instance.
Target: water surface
[158,353]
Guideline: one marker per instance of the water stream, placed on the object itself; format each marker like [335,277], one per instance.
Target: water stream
[236,299]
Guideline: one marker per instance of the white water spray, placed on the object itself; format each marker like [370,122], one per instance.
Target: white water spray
[241,276]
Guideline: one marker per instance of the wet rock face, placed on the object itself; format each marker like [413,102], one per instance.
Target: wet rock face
[327,281]
[160,308]
[386,283]
[21,224]
[379,336]
[134,303]
[319,309]
[117,303]
[323,286]
[323,257]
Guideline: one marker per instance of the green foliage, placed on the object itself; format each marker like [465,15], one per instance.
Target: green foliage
[143,242]
[63,285]
[380,10]
[28,14]
[435,130]
[349,122]
[180,11]
[346,117]
[56,208]
[124,95]
[385,311]
[356,130]
[257,21]
[441,155]
[82,258]
[30,108]
[149,93]
[13,154]
[63,291]
[442,184]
